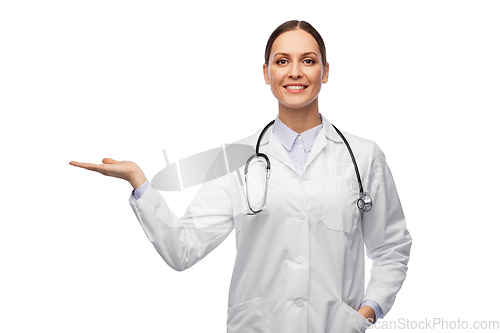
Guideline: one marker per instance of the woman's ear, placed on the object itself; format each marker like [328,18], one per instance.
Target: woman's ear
[266,76]
[326,72]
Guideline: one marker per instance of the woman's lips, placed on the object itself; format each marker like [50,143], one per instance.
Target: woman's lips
[295,91]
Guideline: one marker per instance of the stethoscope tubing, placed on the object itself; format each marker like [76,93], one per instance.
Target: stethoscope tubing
[364,202]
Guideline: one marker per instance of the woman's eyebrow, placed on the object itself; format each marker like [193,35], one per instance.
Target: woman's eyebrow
[303,54]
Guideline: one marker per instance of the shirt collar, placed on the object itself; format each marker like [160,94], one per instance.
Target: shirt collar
[287,136]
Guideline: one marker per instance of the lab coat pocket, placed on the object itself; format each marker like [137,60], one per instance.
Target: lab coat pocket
[341,195]
[247,317]
[348,320]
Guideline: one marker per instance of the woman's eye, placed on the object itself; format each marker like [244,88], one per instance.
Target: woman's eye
[284,61]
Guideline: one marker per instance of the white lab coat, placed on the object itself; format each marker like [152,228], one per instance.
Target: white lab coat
[300,265]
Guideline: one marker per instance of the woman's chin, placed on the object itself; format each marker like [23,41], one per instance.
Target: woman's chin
[296,105]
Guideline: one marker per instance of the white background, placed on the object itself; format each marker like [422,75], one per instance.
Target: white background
[85,80]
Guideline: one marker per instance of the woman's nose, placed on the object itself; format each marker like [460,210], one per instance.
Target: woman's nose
[295,71]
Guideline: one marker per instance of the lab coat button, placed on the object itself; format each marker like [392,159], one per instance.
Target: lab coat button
[300,259]
[301,216]
[305,177]
[299,302]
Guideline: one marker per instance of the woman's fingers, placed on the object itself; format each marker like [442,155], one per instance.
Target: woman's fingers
[127,170]
[114,169]
[111,167]
[89,166]
[95,167]
[80,164]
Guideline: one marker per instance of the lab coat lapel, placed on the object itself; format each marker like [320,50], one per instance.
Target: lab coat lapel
[272,146]
[277,151]
[327,134]
[319,143]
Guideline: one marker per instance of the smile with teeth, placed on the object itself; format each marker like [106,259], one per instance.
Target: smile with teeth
[295,89]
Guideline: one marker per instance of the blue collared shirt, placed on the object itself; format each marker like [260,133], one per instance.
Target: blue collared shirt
[297,146]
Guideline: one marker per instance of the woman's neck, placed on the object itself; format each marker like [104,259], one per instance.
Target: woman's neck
[300,120]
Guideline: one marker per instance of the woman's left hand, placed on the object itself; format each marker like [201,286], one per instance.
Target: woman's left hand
[367,312]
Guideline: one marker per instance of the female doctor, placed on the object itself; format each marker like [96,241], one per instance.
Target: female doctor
[300,260]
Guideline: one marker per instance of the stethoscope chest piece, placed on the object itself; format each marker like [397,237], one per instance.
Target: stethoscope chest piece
[365,202]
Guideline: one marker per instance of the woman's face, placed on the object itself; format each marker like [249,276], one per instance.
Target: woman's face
[295,72]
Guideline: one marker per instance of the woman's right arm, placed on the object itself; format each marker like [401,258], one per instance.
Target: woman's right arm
[180,242]
[183,242]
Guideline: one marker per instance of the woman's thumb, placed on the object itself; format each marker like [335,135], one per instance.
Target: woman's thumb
[109,161]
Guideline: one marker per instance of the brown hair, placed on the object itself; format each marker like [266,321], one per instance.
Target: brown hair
[293,25]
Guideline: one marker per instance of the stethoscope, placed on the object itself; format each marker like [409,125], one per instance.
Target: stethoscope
[364,202]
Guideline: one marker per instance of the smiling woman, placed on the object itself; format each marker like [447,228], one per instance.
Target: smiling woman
[295,68]
[300,261]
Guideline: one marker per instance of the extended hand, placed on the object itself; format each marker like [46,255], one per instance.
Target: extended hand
[127,170]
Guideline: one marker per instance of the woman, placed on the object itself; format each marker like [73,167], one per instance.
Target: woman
[300,262]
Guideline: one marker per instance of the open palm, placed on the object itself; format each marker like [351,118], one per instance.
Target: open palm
[127,170]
